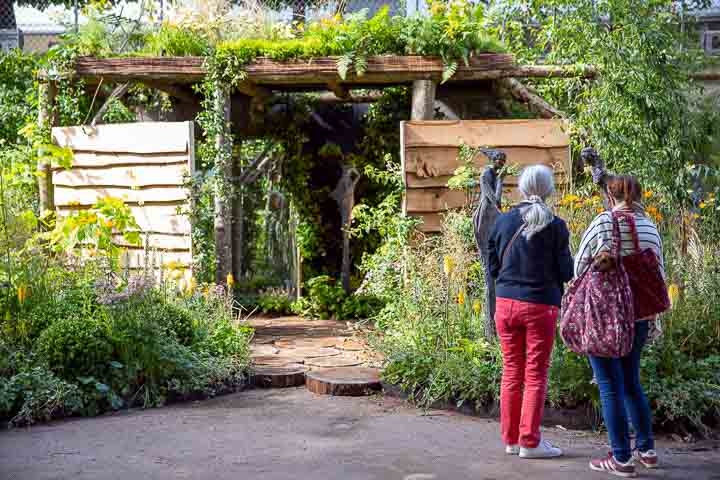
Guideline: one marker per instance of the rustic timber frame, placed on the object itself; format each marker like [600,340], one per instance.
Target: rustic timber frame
[265,79]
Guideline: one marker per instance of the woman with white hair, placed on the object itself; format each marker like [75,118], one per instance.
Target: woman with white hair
[531,261]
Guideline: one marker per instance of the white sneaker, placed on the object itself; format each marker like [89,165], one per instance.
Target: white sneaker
[512,449]
[545,449]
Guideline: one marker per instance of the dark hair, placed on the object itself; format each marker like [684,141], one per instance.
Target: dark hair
[625,187]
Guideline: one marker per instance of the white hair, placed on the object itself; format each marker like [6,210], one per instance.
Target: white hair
[536,185]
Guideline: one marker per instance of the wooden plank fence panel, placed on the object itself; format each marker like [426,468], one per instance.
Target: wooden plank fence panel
[430,157]
[145,165]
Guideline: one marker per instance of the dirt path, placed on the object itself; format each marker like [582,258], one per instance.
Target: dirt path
[292,434]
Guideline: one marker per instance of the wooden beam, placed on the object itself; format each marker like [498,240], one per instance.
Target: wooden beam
[317,72]
[174,91]
[46,118]
[118,92]
[711,74]
[534,102]
[339,91]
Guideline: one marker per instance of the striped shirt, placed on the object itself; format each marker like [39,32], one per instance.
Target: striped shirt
[599,237]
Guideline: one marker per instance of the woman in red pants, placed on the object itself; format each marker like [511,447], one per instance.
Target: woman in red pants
[531,261]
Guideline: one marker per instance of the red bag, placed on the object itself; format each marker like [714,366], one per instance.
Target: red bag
[650,295]
[597,310]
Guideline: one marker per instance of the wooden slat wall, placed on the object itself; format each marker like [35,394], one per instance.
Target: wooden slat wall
[145,165]
[430,150]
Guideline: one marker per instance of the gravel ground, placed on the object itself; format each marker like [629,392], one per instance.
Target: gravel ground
[293,434]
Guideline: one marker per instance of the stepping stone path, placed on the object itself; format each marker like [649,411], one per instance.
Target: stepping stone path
[325,355]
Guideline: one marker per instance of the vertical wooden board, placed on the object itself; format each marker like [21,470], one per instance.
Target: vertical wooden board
[142,137]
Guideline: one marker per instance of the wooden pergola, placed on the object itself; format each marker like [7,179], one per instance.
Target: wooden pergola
[267,78]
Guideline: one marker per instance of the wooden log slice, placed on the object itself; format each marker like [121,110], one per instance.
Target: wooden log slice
[260,350]
[314,342]
[334,361]
[275,360]
[350,381]
[351,345]
[291,375]
[310,352]
[262,340]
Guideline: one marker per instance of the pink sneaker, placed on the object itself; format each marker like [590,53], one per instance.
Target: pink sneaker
[613,467]
[647,459]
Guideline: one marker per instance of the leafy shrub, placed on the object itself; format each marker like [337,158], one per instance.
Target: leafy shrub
[37,395]
[277,302]
[227,340]
[323,298]
[75,347]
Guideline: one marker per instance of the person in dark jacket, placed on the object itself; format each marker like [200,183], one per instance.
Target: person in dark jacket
[530,260]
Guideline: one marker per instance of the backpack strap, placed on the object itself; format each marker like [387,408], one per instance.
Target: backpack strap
[510,243]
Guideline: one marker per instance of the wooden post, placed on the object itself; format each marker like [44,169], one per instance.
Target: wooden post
[423,100]
[46,120]
[223,189]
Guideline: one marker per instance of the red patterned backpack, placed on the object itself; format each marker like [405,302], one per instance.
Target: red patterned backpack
[650,295]
[598,316]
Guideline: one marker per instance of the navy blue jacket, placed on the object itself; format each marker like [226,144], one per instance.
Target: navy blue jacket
[534,270]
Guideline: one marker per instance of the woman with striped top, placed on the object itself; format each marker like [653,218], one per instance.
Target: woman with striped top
[621,393]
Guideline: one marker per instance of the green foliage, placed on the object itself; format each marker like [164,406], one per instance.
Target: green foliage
[75,347]
[37,395]
[227,340]
[644,113]
[18,96]
[275,302]
[95,227]
[323,298]
[174,41]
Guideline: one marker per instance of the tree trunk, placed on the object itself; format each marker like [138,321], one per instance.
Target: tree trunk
[46,119]
[423,100]
[238,230]
[223,190]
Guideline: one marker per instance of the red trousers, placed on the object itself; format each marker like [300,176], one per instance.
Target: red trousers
[527,333]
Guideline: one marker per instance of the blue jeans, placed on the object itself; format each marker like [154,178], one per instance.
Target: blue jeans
[621,392]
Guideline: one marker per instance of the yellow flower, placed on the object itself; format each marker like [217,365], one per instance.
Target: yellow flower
[22,293]
[649,194]
[673,293]
[477,306]
[176,274]
[191,285]
[461,298]
[702,205]
[448,265]
[230,280]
